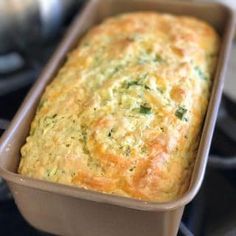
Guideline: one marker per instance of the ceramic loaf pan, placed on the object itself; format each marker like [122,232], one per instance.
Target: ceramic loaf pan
[65,210]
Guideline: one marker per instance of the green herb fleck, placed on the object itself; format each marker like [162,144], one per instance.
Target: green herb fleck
[134,37]
[41,104]
[212,55]
[200,73]
[180,112]
[143,76]
[49,120]
[139,82]
[110,133]
[143,60]
[158,58]
[115,70]
[144,109]
[85,44]
[132,168]
[84,139]
[160,90]
[32,131]
[127,151]
[51,172]
[148,57]
[131,38]
[144,150]
[132,83]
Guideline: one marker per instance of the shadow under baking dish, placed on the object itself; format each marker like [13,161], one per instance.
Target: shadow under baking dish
[67,210]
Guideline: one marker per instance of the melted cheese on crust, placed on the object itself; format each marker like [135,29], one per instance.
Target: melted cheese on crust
[124,114]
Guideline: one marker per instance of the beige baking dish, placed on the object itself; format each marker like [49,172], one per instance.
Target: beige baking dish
[65,210]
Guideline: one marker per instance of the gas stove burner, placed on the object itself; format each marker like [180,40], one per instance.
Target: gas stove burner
[16,71]
[16,80]
[10,62]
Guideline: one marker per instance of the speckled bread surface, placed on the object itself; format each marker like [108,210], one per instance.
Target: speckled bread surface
[124,114]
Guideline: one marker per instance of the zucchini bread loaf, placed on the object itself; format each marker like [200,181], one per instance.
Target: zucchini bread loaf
[124,114]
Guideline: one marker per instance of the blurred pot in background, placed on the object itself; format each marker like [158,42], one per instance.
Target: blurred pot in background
[32,21]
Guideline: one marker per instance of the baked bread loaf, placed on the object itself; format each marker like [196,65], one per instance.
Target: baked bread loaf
[124,114]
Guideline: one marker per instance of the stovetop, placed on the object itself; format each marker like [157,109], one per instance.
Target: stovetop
[212,212]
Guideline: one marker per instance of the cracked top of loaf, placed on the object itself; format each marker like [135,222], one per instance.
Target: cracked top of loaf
[124,113]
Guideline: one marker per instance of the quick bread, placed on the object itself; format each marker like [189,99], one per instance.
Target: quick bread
[124,114]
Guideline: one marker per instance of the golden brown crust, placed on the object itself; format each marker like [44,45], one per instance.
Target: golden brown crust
[124,113]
